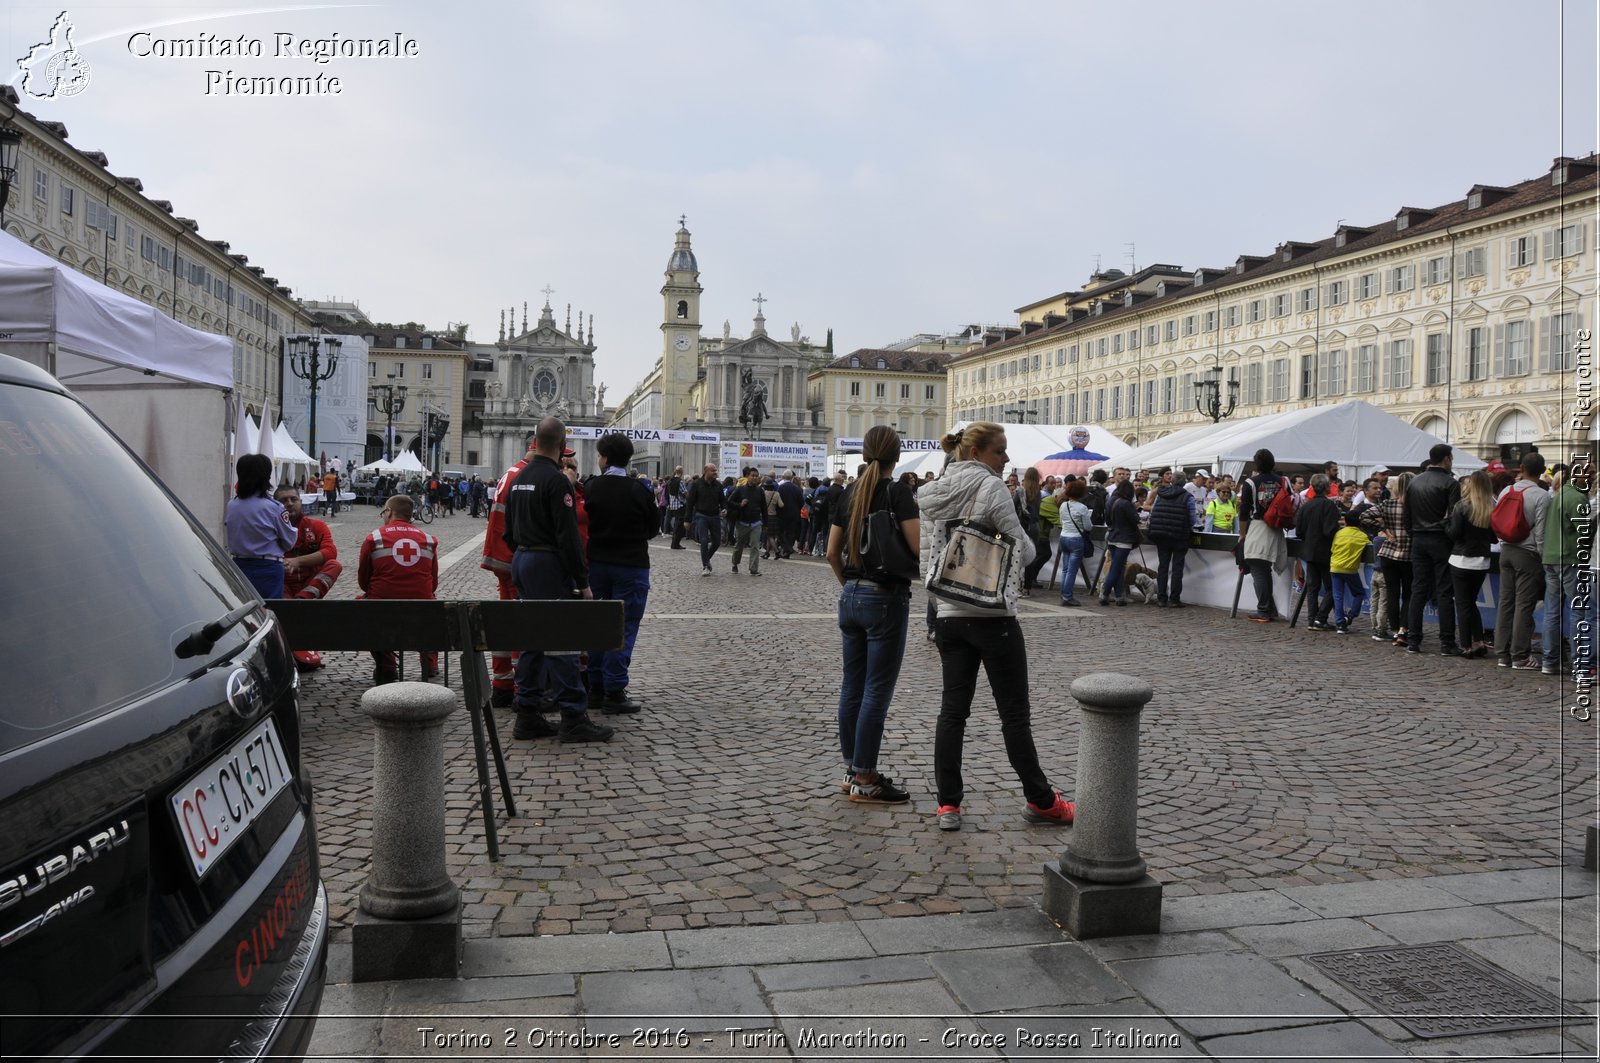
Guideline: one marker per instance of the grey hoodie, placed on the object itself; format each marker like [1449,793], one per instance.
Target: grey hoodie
[971,488]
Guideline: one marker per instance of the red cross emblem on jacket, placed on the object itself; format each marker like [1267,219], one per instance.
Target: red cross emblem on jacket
[399,560]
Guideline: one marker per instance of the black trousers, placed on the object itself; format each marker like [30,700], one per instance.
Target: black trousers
[1430,581]
[1397,574]
[1319,590]
[996,644]
[1469,622]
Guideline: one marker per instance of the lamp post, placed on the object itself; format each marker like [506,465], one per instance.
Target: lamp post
[1018,416]
[390,399]
[305,362]
[1208,399]
[440,429]
[10,147]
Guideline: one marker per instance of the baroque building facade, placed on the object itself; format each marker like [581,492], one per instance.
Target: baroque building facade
[1467,319]
[540,371]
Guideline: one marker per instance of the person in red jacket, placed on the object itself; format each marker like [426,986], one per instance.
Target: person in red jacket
[311,566]
[497,559]
[399,561]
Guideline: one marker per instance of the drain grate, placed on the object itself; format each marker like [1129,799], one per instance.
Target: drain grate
[1443,991]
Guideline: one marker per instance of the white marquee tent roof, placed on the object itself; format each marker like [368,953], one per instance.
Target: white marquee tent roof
[1356,434]
[1025,444]
[404,461]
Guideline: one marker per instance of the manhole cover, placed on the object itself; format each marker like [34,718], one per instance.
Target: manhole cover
[1443,991]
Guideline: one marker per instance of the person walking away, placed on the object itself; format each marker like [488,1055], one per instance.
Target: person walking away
[1427,504]
[1387,521]
[330,490]
[1173,517]
[622,521]
[1075,523]
[677,488]
[399,561]
[1264,551]
[1568,581]
[311,566]
[769,525]
[258,528]
[1122,535]
[1096,496]
[704,504]
[1344,567]
[874,609]
[1315,525]
[548,565]
[1470,541]
[747,507]
[794,500]
[1521,567]
[1029,501]
[969,638]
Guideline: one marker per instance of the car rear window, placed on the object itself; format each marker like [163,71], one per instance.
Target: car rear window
[101,571]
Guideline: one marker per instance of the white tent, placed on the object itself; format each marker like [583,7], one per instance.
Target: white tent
[1354,433]
[404,462]
[1025,444]
[159,385]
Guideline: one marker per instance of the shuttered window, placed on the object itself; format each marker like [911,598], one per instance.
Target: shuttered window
[1438,358]
[1363,368]
[1331,373]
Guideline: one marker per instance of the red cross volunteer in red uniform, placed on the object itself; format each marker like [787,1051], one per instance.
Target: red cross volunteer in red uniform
[497,559]
[399,561]
[311,566]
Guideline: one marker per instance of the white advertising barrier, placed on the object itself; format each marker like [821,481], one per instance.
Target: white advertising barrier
[842,445]
[648,435]
[810,457]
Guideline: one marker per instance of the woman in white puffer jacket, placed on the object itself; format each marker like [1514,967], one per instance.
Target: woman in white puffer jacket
[969,637]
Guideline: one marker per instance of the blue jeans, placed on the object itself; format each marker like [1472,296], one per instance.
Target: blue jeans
[1169,571]
[707,529]
[872,625]
[1347,596]
[539,576]
[630,585]
[1569,613]
[1113,580]
[1071,561]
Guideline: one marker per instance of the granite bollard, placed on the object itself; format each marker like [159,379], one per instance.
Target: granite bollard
[409,922]
[1100,887]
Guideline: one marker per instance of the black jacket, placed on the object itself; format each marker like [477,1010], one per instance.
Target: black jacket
[1315,525]
[748,504]
[1169,516]
[705,497]
[541,514]
[1122,522]
[1428,501]
[1095,499]
[793,498]
[622,520]
[1466,538]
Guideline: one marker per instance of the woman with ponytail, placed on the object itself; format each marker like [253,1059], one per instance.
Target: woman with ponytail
[874,606]
[969,637]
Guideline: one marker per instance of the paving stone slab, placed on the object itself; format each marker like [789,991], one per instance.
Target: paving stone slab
[1347,1041]
[766,944]
[1525,884]
[1033,976]
[1011,926]
[699,1001]
[1571,921]
[1178,944]
[1231,909]
[1300,939]
[1545,963]
[483,990]
[559,955]
[1224,993]
[789,976]
[902,1019]
[1127,1029]
[1446,924]
[1372,898]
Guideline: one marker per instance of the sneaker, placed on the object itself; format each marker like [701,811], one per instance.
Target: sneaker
[1176,603]
[1060,812]
[1316,625]
[753,572]
[1549,669]
[1382,636]
[1122,601]
[1161,603]
[1413,649]
[1449,649]
[578,727]
[1524,664]
[849,781]
[1503,662]
[531,724]
[1342,628]
[1072,603]
[735,570]
[705,572]
[881,792]
[613,704]
[948,817]
[501,697]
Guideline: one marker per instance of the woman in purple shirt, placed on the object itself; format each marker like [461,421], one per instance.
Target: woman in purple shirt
[259,531]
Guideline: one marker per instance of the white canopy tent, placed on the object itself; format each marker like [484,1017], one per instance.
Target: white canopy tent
[404,462]
[1025,445]
[161,386]
[1356,434]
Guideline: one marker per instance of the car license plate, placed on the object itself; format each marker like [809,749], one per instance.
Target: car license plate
[216,807]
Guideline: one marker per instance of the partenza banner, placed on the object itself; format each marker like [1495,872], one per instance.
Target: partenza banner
[808,459]
[841,445]
[648,435]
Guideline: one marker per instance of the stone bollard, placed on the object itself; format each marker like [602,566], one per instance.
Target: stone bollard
[409,922]
[1100,888]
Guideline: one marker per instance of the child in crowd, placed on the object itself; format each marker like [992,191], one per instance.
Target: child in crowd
[1345,567]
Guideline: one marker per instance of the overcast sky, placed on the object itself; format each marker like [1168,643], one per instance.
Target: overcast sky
[880,168]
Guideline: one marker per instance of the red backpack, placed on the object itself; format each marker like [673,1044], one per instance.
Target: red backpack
[1510,519]
[1280,511]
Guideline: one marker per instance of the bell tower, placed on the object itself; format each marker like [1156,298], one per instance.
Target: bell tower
[680,327]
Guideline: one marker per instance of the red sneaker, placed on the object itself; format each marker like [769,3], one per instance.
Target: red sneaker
[307,660]
[1059,812]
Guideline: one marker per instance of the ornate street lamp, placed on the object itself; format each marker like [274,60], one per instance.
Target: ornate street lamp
[10,148]
[390,399]
[305,362]
[1208,397]
[438,430]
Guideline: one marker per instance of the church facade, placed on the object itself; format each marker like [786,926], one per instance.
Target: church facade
[538,372]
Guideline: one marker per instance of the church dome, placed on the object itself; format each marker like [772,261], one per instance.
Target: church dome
[682,259]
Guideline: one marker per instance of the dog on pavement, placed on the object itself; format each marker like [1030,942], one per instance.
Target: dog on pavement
[1141,579]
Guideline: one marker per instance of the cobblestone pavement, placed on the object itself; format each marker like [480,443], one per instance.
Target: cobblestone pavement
[1271,758]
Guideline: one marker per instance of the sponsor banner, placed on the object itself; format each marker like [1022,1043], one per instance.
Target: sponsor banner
[647,435]
[842,445]
[809,459]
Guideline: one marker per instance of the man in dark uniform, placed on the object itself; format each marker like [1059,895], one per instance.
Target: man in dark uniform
[548,565]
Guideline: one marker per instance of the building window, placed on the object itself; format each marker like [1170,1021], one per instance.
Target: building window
[683,310]
[399,341]
[1116,344]
[1036,361]
[1169,400]
[1172,330]
[41,184]
[1367,286]
[477,389]
[1402,278]
[1116,403]
[1513,343]
[855,389]
[427,343]
[1397,365]
[1211,321]
[1231,316]
[1519,251]
[1152,336]
[1186,392]
[1437,357]
[1190,325]
[1470,263]
[879,390]
[96,216]
[1308,376]
[928,393]
[1133,339]
[905,391]
[1436,271]
[1149,398]
[1558,354]
[399,371]
[1072,354]
[1477,353]
[1308,300]
[1280,305]
[1338,293]
[427,370]
[882,364]
[1279,380]
[1332,379]
[1364,368]
[1567,240]
[1072,406]
[1102,346]
[1255,311]
[372,370]
[1099,404]
[1252,384]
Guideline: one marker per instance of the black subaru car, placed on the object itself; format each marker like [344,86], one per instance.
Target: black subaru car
[160,892]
